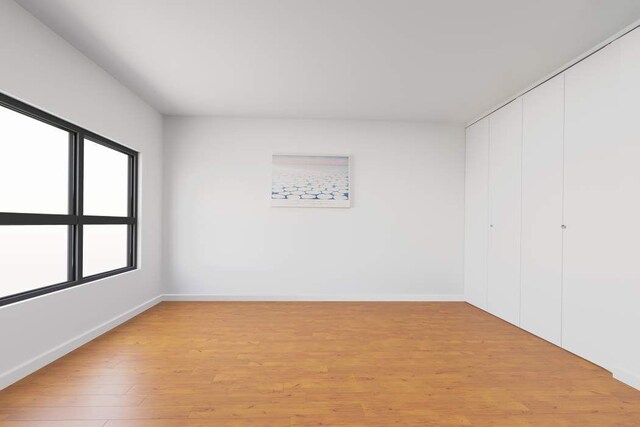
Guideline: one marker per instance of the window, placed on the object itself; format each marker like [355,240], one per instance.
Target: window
[68,204]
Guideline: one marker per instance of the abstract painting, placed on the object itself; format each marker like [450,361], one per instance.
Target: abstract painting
[310,181]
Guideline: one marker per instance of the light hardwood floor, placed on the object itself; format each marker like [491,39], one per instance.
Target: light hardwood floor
[290,364]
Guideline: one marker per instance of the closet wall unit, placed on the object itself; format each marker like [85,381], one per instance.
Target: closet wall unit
[476,203]
[505,172]
[553,210]
[542,177]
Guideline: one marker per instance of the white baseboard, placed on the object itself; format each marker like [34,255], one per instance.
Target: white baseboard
[317,297]
[627,377]
[476,305]
[32,365]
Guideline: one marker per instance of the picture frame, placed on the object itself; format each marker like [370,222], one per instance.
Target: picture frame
[311,180]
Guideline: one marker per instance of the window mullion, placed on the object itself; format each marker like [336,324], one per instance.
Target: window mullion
[71,243]
[114,220]
[13,218]
[79,205]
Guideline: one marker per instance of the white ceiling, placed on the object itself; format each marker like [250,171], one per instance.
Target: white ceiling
[438,60]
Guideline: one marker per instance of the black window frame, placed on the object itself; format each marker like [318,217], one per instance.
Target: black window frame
[75,218]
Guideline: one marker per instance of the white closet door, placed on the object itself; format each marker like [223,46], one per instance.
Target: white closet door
[626,287]
[595,241]
[476,213]
[542,163]
[505,156]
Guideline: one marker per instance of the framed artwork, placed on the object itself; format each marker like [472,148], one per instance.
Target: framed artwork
[310,181]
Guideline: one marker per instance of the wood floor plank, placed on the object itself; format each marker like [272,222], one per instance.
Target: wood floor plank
[74,413]
[16,401]
[316,363]
[218,422]
[22,389]
[66,423]
[227,399]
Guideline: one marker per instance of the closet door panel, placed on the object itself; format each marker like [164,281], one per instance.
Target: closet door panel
[595,193]
[476,213]
[505,156]
[542,168]
[627,288]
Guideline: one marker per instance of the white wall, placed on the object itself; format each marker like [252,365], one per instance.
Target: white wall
[402,238]
[41,69]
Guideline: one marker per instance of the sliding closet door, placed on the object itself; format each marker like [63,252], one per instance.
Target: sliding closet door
[542,152]
[596,194]
[505,156]
[476,213]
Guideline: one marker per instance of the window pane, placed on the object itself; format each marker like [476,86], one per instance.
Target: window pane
[34,165]
[105,248]
[31,257]
[106,174]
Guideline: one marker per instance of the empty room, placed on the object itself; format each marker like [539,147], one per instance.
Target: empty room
[319,213]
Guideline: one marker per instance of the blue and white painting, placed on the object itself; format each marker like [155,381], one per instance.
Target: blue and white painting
[310,181]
